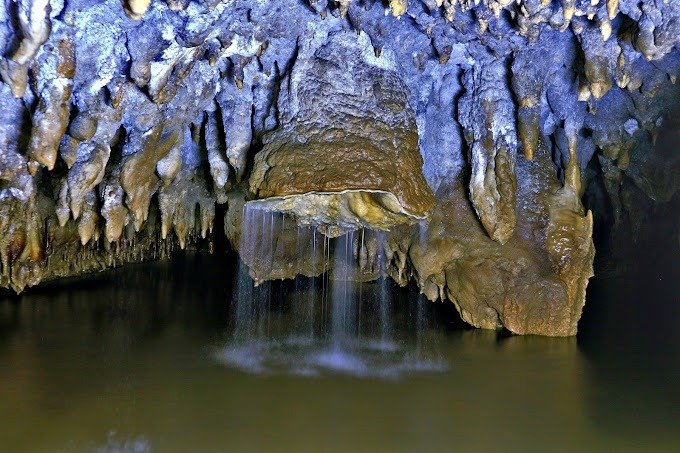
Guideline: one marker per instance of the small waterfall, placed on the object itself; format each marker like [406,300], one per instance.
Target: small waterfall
[317,324]
[244,303]
[342,291]
[341,354]
[313,296]
[305,301]
[254,326]
[383,295]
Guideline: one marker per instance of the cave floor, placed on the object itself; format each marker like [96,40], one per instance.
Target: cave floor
[145,358]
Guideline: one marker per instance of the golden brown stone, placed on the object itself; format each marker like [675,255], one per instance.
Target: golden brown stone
[535,282]
[348,156]
[138,176]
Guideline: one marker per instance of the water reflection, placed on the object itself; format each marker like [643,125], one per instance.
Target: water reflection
[128,360]
[630,342]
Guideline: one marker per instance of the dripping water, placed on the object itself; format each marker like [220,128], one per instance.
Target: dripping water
[244,301]
[383,295]
[342,286]
[316,326]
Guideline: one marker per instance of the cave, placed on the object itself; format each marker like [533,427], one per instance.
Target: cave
[418,204]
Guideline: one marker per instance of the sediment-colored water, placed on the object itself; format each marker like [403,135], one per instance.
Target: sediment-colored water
[161,357]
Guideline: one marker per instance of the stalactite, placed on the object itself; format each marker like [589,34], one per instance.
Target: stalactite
[135,9]
[138,177]
[487,116]
[35,27]
[132,132]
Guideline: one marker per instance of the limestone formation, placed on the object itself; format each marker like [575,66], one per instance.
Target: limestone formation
[471,147]
[135,9]
[345,154]
[34,27]
[487,114]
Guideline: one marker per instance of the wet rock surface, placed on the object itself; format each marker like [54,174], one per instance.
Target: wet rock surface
[125,127]
[534,283]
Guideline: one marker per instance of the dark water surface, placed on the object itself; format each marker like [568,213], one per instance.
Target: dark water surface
[157,357]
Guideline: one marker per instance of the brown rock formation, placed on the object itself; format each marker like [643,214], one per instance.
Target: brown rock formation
[346,153]
[532,284]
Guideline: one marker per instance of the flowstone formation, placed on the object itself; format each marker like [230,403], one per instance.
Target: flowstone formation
[451,140]
[345,153]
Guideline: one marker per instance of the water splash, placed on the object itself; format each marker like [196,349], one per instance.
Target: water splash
[116,443]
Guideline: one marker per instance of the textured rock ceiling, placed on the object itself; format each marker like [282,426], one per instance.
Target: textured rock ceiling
[467,130]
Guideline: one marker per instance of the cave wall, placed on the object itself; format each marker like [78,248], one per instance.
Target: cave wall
[466,133]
